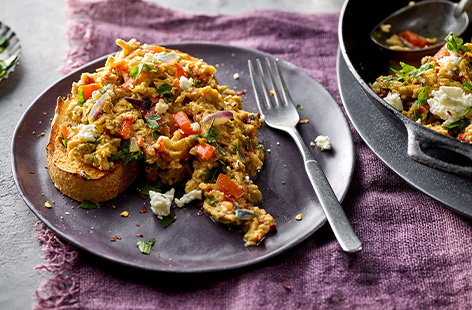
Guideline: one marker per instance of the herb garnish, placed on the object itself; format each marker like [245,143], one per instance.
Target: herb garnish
[136,70]
[88,205]
[408,72]
[244,214]
[466,86]
[167,220]
[164,89]
[125,154]
[212,134]
[299,106]
[420,101]
[146,246]
[211,202]
[455,44]
[152,121]
[460,124]
[3,43]
[80,95]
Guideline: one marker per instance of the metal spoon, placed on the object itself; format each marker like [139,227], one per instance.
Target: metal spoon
[430,19]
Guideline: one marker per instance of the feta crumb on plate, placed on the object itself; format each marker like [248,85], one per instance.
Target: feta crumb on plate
[236,76]
[160,203]
[324,143]
[190,196]
[394,100]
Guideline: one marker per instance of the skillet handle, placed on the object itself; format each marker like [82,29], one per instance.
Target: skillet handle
[420,140]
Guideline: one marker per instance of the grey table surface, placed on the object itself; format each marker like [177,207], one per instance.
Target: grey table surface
[40,27]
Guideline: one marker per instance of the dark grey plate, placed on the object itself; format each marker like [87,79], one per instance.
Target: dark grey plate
[193,243]
[386,135]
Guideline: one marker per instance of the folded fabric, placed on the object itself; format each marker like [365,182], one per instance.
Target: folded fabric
[417,253]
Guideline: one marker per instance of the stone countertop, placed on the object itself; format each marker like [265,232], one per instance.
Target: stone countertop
[40,28]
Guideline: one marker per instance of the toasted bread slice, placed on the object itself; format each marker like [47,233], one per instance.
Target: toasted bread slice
[69,175]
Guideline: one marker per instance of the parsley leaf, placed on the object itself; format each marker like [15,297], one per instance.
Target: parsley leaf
[167,220]
[460,124]
[299,106]
[164,89]
[455,44]
[152,121]
[212,134]
[144,188]
[3,43]
[149,68]
[135,71]
[88,205]
[408,72]
[145,247]
[80,95]
[466,86]
[211,202]
[125,154]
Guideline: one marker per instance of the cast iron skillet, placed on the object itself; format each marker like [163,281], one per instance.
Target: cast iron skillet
[367,61]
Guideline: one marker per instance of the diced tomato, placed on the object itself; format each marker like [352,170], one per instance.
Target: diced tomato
[228,187]
[153,48]
[413,39]
[176,83]
[184,123]
[461,136]
[139,140]
[121,65]
[204,151]
[126,128]
[179,71]
[64,131]
[88,80]
[160,145]
[442,52]
[89,89]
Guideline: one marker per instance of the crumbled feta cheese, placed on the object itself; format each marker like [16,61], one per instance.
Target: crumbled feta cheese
[394,100]
[247,179]
[312,144]
[323,142]
[450,63]
[195,126]
[449,103]
[161,107]
[262,118]
[160,203]
[185,83]
[236,76]
[87,133]
[190,196]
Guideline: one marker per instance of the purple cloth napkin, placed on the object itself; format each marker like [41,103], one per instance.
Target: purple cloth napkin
[417,254]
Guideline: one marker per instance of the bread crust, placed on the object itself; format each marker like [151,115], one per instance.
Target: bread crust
[68,175]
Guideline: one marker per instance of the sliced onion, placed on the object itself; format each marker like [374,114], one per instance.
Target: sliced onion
[143,104]
[167,57]
[220,117]
[97,108]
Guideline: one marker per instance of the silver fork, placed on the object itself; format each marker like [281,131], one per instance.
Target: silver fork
[276,105]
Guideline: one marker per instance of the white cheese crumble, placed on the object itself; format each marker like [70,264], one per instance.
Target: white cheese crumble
[449,103]
[160,203]
[394,100]
[87,133]
[324,143]
[450,63]
[185,83]
[186,198]
[195,126]
[161,107]
[236,76]
[312,144]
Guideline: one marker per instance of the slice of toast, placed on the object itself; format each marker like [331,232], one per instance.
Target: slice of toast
[78,180]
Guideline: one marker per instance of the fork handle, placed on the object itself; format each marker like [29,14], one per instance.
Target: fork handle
[337,219]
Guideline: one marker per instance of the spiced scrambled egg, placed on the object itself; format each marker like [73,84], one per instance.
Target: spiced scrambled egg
[166,109]
[437,94]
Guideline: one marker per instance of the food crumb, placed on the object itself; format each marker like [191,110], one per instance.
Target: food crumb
[42,134]
[385,27]
[283,182]
[124,214]
[143,210]
[268,150]
[32,172]
[138,225]
[312,144]
[288,287]
[139,235]
[304,121]
[299,217]
[47,204]
[112,239]
[118,237]
[272,92]
[323,142]
[278,143]
[236,76]
[33,132]
[67,213]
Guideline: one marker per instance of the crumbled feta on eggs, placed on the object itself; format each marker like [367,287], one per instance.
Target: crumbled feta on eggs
[449,103]
[161,107]
[87,133]
[450,63]
[190,196]
[185,83]
[324,143]
[394,100]
[160,203]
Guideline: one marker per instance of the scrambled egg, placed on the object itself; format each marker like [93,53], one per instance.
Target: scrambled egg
[165,108]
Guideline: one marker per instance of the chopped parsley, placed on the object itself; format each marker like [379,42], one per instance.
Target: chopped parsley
[88,205]
[136,70]
[155,186]
[3,43]
[152,121]
[211,202]
[164,89]
[167,220]
[408,72]
[460,124]
[64,142]
[145,247]
[299,106]
[212,134]
[80,95]
[466,86]
[125,154]
[455,44]
[420,101]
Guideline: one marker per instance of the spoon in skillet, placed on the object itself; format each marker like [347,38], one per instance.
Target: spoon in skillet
[422,26]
